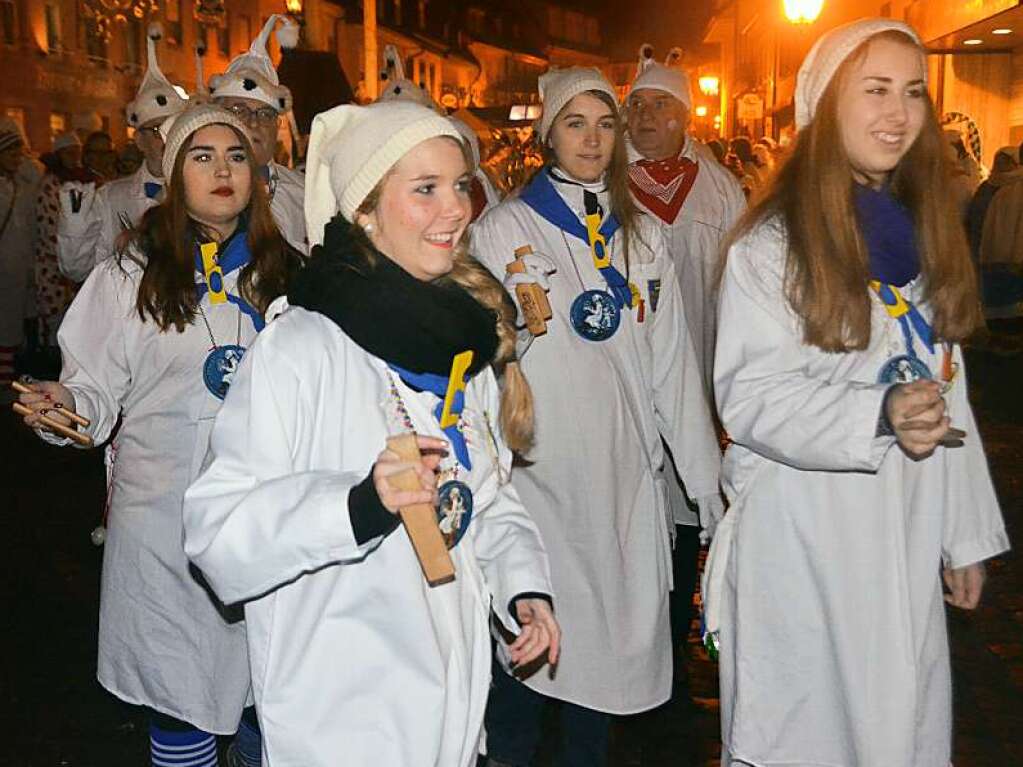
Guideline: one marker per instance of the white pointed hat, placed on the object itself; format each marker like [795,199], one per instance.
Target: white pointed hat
[252,75]
[668,77]
[399,87]
[156,98]
[202,93]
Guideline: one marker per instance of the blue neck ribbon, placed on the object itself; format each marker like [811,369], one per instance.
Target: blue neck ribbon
[544,199]
[152,189]
[907,314]
[231,256]
[438,384]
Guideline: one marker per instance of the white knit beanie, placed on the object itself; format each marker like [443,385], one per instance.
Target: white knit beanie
[827,55]
[351,148]
[177,128]
[559,86]
[668,77]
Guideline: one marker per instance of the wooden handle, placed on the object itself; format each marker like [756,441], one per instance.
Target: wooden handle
[532,298]
[54,426]
[81,420]
[420,519]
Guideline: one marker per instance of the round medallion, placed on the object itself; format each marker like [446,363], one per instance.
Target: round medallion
[595,315]
[219,369]
[903,369]
[454,511]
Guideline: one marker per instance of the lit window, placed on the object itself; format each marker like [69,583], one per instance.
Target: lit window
[52,27]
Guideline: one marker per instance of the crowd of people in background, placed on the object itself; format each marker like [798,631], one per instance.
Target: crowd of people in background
[247,338]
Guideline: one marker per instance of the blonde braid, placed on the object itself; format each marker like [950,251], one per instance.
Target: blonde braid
[516,417]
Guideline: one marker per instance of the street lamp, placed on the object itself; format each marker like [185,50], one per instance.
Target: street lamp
[802,11]
[294,7]
[709,85]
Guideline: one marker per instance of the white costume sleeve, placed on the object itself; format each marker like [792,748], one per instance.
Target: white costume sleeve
[487,247]
[767,400]
[973,526]
[92,340]
[507,543]
[80,233]
[680,400]
[253,520]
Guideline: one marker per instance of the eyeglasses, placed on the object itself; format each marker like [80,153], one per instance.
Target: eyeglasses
[152,130]
[264,115]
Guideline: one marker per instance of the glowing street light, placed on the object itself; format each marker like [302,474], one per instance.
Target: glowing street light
[294,7]
[709,85]
[701,111]
[802,11]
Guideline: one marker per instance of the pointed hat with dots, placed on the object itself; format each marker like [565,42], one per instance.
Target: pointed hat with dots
[399,87]
[157,98]
[252,75]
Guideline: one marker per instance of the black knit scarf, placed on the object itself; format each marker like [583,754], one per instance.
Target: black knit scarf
[419,326]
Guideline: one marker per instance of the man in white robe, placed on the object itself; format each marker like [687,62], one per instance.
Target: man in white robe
[251,89]
[694,201]
[92,218]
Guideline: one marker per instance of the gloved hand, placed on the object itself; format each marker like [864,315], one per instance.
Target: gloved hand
[712,509]
[77,199]
[538,266]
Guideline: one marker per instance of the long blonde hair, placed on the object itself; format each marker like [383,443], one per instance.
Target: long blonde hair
[516,417]
[827,265]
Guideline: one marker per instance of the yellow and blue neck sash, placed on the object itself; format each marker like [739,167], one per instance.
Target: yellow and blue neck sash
[908,316]
[214,262]
[451,390]
[543,198]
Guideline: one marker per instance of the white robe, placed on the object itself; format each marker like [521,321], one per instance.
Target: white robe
[825,572]
[593,484]
[694,241]
[355,659]
[18,195]
[89,236]
[163,640]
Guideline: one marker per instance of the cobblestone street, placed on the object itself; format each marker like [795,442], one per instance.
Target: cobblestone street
[55,713]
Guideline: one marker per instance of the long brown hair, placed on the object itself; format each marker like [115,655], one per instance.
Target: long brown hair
[617,175]
[164,246]
[827,265]
[516,416]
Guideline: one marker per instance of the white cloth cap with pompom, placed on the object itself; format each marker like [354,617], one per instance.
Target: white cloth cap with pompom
[252,75]
[668,77]
[351,148]
[157,97]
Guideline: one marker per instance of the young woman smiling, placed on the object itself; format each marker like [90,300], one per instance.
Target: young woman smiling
[355,657]
[154,341]
[614,379]
[839,376]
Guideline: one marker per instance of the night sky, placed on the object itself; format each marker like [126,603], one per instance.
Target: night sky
[662,23]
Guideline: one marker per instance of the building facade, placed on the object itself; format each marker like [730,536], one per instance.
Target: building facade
[486,53]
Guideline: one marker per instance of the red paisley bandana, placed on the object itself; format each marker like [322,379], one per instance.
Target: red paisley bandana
[662,186]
